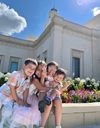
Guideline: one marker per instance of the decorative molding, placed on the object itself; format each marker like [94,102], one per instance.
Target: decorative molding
[44,34]
[74,27]
[3,43]
[73,33]
[16,42]
[68,26]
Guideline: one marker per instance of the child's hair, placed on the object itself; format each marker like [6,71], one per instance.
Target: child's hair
[30,60]
[61,71]
[42,62]
[52,63]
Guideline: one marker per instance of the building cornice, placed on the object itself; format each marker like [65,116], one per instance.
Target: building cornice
[16,41]
[75,27]
[45,32]
[60,21]
[94,22]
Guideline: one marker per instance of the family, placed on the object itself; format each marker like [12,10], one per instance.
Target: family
[30,94]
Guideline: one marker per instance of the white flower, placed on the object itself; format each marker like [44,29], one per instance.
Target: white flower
[6,78]
[1,74]
[78,79]
[93,80]
[82,81]
[7,75]
[87,79]
[96,85]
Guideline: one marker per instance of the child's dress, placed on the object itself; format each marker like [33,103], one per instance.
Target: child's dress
[17,80]
[27,116]
[6,104]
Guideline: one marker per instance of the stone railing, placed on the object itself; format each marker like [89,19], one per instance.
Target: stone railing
[76,115]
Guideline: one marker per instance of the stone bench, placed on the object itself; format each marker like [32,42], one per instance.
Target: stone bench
[78,115]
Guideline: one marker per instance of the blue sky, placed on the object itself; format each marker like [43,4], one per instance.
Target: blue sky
[32,15]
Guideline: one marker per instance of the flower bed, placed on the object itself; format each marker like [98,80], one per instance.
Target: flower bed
[82,91]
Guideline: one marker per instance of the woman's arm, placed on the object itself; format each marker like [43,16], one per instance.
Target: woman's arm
[43,75]
[38,85]
[13,93]
[12,84]
[15,97]
[25,95]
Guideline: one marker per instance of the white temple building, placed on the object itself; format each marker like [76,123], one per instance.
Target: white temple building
[75,47]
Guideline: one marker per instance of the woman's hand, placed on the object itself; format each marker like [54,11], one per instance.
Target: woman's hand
[44,73]
[20,102]
[27,104]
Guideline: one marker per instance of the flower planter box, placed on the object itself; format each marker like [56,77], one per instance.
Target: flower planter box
[78,115]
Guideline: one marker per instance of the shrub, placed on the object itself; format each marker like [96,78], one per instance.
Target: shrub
[4,78]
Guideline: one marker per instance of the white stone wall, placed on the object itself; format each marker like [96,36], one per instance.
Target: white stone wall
[65,42]
[78,115]
[45,44]
[95,45]
[8,49]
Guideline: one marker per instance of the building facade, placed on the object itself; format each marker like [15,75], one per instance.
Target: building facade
[76,48]
[13,52]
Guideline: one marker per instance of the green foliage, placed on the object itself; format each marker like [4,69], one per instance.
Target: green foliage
[4,78]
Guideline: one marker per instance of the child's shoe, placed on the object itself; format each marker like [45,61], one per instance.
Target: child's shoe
[43,103]
[58,126]
[35,126]
[41,106]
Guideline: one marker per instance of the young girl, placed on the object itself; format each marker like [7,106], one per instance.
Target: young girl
[56,103]
[15,88]
[29,116]
[55,88]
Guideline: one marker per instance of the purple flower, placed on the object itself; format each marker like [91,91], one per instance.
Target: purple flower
[71,92]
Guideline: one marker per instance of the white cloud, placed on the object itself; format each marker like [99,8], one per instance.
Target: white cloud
[82,2]
[10,21]
[96,11]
